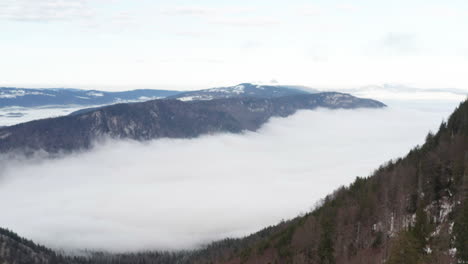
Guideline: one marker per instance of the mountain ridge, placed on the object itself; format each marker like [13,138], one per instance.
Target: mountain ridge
[34,97]
[164,118]
[243,90]
[30,97]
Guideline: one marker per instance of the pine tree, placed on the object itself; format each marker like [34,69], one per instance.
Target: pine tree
[405,249]
[461,234]
[420,230]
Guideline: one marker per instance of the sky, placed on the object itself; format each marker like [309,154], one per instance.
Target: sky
[178,44]
[183,193]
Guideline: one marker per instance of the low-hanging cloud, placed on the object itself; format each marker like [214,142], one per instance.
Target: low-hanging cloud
[182,193]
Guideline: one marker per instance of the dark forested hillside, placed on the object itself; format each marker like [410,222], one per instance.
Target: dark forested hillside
[164,118]
[14,249]
[410,210]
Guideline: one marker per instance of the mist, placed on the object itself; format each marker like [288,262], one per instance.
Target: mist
[172,194]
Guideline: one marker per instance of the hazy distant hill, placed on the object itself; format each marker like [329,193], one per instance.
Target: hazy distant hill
[402,92]
[10,96]
[237,91]
[243,90]
[19,105]
[165,118]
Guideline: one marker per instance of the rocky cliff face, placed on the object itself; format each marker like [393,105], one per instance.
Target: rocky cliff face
[164,118]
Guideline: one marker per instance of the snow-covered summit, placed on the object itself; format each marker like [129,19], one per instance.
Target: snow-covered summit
[243,90]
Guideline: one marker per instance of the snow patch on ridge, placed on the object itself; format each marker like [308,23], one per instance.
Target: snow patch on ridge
[95,94]
[19,93]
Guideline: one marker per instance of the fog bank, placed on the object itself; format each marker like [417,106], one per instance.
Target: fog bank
[173,194]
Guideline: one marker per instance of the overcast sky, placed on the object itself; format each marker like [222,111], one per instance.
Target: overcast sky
[117,44]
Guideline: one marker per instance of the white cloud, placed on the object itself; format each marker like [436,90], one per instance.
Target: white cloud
[204,11]
[347,7]
[311,10]
[332,43]
[400,42]
[319,10]
[247,21]
[193,34]
[44,10]
[232,16]
[445,11]
[185,10]
[180,193]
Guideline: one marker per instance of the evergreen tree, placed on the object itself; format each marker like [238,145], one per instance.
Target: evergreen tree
[405,250]
[461,234]
[420,231]
[326,251]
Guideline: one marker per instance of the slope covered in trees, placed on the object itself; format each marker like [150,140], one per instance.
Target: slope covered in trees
[164,118]
[410,210]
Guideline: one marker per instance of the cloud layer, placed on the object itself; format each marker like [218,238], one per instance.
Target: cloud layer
[172,194]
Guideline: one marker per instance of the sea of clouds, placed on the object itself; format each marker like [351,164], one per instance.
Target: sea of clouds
[183,193]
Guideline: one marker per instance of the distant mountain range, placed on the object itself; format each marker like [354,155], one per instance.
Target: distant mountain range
[165,118]
[402,92]
[10,96]
[237,91]
[403,88]
[243,90]
[18,105]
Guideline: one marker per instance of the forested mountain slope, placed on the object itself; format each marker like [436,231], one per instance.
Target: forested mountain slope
[410,210]
[164,118]
[14,249]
